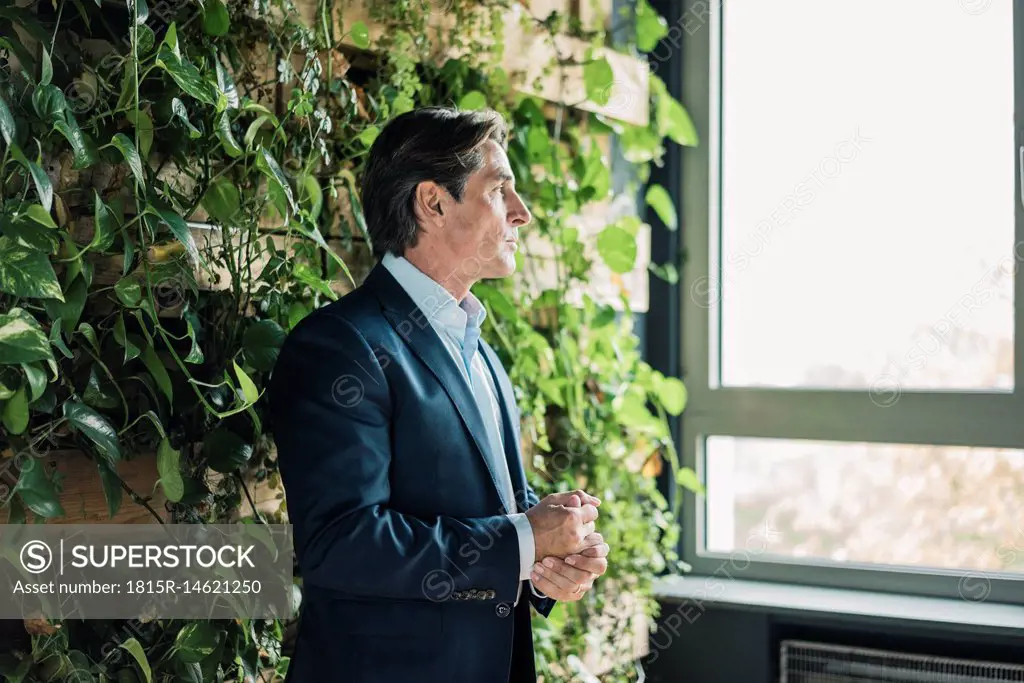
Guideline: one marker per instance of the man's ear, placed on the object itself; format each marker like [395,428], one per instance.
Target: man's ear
[428,202]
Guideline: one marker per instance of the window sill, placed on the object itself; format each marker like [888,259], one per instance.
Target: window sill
[764,596]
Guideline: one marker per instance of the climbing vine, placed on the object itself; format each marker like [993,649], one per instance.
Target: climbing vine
[179,187]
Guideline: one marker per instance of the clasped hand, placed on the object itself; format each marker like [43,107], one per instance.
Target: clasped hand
[570,554]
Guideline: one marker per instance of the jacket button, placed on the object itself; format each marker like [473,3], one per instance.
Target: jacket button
[502,610]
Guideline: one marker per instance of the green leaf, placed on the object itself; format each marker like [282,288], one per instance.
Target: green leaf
[598,78]
[658,199]
[105,225]
[650,27]
[195,641]
[170,40]
[225,451]
[96,427]
[141,12]
[128,291]
[131,349]
[222,201]
[168,465]
[632,412]
[48,102]
[7,127]
[195,354]
[227,85]
[178,226]
[186,75]
[146,40]
[158,371]
[36,377]
[262,343]
[254,129]
[249,390]
[674,121]
[57,338]
[37,491]
[98,391]
[89,333]
[496,299]
[136,651]
[617,248]
[538,144]
[144,125]
[474,99]
[270,168]
[27,233]
[70,309]
[82,145]
[15,415]
[22,339]
[131,155]
[360,35]
[226,138]
[672,395]
[215,18]
[111,487]
[178,109]
[26,272]
[187,672]
[40,215]
[311,196]
[688,479]
[47,73]
[368,135]
[44,188]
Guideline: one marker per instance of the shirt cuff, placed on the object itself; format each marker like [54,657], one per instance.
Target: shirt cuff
[537,592]
[527,548]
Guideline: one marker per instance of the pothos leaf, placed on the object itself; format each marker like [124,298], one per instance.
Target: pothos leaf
[127,148]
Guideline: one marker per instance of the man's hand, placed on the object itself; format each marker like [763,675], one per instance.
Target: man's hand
[561,522]
[571,578]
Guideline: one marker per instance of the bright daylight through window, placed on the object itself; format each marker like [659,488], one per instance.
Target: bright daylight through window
[849,339]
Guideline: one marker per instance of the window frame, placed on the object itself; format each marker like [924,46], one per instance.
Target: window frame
[941,418]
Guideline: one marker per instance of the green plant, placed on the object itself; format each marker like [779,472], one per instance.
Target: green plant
[125,330]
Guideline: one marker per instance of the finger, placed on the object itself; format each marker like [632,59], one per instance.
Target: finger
[593,539]
[586,529]
[588,513]
[595,566]
[563,583]
[577,575]
[600,550]
[551,590]
[582,496]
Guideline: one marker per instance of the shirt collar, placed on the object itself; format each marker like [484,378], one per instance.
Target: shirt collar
[437,304]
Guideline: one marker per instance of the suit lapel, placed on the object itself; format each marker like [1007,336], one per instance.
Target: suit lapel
[513,449]
[412,326]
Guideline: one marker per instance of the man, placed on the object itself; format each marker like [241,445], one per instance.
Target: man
[419,542]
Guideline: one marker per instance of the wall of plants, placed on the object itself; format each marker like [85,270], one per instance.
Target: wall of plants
[179,187]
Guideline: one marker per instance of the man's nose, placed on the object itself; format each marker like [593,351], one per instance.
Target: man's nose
[518,214]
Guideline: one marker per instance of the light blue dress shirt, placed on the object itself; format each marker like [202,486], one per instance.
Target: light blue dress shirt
[458,326]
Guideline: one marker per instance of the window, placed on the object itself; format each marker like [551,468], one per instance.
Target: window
[850,336]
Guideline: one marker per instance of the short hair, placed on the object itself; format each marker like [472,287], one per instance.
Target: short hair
[438,144]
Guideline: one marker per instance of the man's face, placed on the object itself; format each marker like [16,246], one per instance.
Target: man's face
[482,231]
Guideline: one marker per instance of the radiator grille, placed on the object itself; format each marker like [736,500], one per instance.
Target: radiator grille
[807,662]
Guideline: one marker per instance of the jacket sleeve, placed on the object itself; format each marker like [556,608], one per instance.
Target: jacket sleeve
[330,413]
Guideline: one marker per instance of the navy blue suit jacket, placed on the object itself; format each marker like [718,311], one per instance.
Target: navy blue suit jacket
[409,564]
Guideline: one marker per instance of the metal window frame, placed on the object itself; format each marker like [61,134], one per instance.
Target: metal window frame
[984,419]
